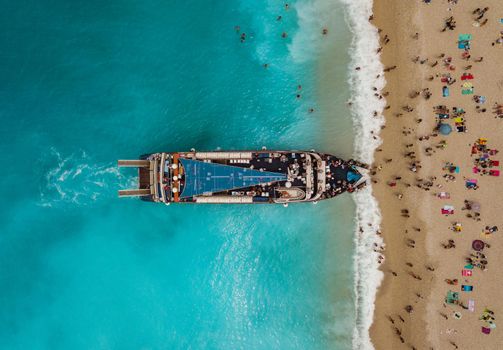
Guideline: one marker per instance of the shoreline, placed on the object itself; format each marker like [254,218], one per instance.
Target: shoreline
[366,110]
[409,308]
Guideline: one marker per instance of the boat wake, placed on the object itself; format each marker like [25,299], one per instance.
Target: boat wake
[366,73]
[76,179]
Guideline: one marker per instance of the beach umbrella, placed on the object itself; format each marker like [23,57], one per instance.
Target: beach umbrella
[445,129]
[476,206]
[478,245]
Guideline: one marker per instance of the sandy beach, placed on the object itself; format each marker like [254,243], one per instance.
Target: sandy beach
[419,172]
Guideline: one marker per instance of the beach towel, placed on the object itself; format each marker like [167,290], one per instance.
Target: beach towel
[467,92]
[495,162]
[451,297]
[476,170]
[467,85]
[467,76]
[494,172]
[444,195]
[471,305]
[471,183]
[486,330]
[463,45]
[461,128]
[459,120]
[469,267]
[464,37]
[445,91]
[448,208]
[466,288]
[485,235]
[466,273]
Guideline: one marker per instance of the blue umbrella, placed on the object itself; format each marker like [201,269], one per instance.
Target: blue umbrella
[445,129]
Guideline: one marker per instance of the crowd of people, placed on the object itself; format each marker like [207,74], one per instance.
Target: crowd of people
[443,68]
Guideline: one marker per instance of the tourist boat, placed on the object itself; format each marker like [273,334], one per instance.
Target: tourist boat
[263,176]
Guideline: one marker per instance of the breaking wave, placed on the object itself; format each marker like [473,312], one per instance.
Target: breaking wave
[77,179]
[312,16]
[365,105]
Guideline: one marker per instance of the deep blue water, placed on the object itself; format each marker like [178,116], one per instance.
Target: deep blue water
[87,82]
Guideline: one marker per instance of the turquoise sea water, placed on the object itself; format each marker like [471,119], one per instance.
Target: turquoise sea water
[87,82]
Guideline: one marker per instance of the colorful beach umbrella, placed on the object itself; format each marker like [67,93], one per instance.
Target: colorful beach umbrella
[478,245]
[445,129]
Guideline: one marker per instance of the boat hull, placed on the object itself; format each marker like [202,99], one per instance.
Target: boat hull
[243,177]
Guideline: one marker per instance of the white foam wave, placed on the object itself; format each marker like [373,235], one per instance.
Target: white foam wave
[77,179]
[312,18]
[367,120]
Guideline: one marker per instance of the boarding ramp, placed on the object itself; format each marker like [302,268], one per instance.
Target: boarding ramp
[134,193]
[133,163]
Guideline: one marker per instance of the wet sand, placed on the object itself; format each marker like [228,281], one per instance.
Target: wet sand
[416,264]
